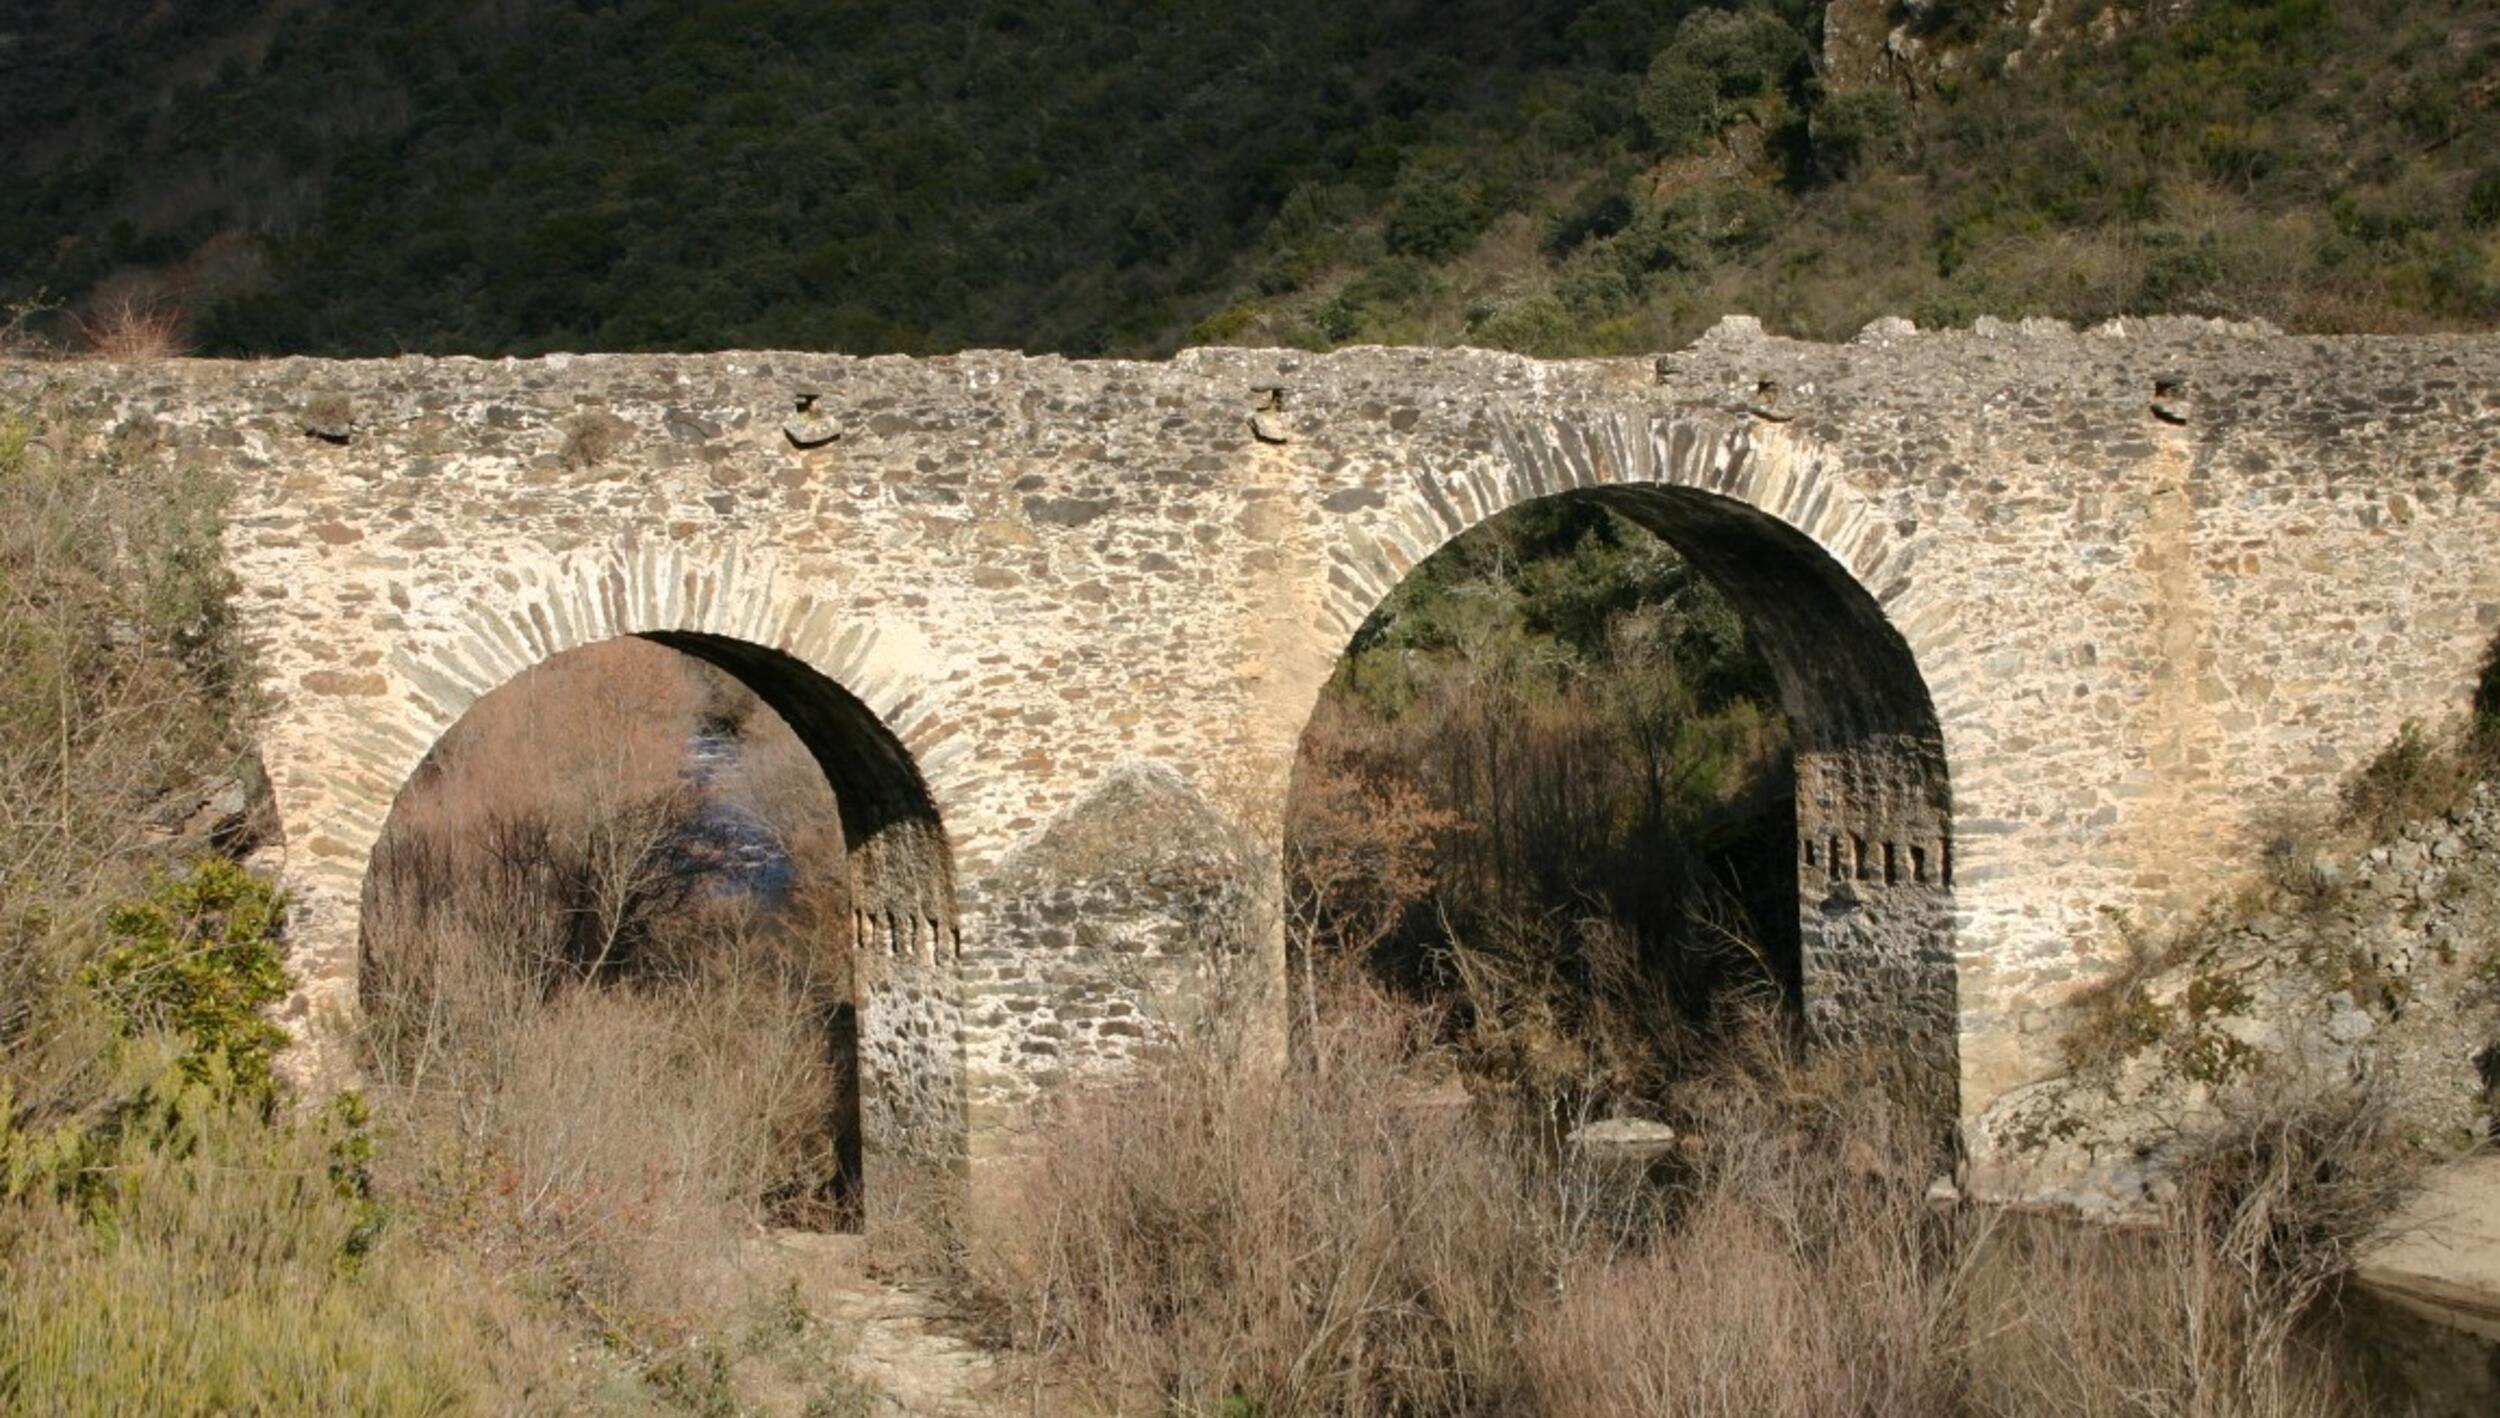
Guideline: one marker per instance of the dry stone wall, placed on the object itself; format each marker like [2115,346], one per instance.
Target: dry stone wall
[2067,612]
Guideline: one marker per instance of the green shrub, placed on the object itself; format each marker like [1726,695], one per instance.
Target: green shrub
[1531,324]
[1850,130]
[1719,63]
[1595,285]
[1680,103]
[1601,209]
[1949,20]
[180,1243]
[1438,209]
[2482,202]
[1745,52]
[2416,776]
[1224,326]
[200,956]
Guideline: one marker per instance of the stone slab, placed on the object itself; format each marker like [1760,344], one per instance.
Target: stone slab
[2443,1248]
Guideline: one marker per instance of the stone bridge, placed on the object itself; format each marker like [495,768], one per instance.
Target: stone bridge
[2060,619]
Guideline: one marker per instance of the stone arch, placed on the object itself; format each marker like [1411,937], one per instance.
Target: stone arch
[533,614]
[852,693]
[1826,582]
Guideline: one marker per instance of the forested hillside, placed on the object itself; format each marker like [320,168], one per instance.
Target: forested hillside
[370,176]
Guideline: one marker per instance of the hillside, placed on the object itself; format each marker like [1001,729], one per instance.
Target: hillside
[1558,176]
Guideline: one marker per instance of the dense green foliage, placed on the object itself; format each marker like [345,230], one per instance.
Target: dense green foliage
[199,956]
[361,177]
[1568,590]
[862,174]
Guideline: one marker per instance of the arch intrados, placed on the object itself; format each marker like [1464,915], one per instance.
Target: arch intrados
[1844,672]
[877,787]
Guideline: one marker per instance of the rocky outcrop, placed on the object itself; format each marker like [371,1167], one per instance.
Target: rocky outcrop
[2377,970]
[1915,44]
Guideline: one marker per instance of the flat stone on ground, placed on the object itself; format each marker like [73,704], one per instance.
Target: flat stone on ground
[2443,1247]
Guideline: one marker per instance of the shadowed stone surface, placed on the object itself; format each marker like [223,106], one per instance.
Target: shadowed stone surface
[2443,1248]
[2049,650]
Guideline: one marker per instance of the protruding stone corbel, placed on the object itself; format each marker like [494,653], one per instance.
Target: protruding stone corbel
[809,427]
[1267,420]
[1770,401]
[2171,403]
[330,418]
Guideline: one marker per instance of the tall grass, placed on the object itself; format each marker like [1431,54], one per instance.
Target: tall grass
[1205,1239]
[171,1238]
[609,1148]
[204,1257]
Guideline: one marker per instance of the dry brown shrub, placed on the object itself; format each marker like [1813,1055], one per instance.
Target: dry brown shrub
[2068,1321]
[596,1069]
[133,326]
[2213,1310]
[2422,773]
[2284,1193]
[1362,842]
[1208,1239]
[614,1144]
[1740,1316]
[1804,1272]
[1310,1242]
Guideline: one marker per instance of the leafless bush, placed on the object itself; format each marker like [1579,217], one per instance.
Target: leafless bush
[20,333]
[132,326]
